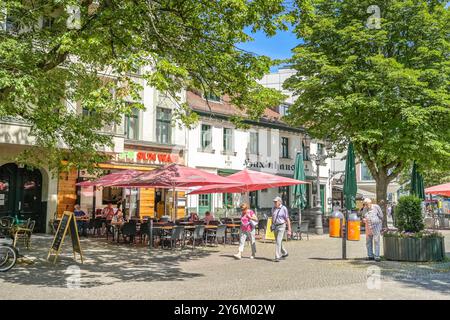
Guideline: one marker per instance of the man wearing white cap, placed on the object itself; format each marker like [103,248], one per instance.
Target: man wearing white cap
[280,219]
[373,218]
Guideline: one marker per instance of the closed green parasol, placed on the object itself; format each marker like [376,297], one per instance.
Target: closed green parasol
[299,189]
[350,186]
[417,187]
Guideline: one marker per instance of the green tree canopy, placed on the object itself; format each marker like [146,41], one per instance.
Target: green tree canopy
[47,64]
[386,90]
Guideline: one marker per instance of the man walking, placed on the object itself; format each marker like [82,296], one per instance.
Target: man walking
[373,218]
[280,219]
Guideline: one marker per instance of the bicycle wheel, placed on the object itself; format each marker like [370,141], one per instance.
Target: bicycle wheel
[8,258]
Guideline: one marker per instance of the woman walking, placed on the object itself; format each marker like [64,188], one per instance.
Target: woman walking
[247,230]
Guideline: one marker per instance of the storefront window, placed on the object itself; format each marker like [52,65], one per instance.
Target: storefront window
[284,194]
[111,195]
[253,197]
[227,200]
[4,192]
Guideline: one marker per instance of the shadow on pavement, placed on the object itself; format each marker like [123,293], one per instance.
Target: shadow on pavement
[104,264]
[433,276]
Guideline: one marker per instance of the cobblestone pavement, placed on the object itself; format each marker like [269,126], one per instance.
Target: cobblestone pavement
[313,270]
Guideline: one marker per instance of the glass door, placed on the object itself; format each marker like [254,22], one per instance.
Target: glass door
[21,194]
[204,203]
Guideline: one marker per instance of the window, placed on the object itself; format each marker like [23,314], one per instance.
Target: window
[132,125]
[365,173]
[163,126]
[320,149]
[283,109]
[253,199]
[227,140]
[227,200]
[284,147]
[306,152]
[211,96]
[206,137]
[269,143]
[254,142]
[284,194]
[111,195]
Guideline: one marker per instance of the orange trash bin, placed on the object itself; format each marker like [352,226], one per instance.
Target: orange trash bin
[354,228]
[334,225]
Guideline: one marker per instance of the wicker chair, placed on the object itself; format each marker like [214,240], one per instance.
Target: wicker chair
[24,234]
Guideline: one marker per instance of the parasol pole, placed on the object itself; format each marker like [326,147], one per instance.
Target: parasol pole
[174,203]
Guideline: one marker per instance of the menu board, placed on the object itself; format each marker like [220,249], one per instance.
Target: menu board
[67,223]
[270,235]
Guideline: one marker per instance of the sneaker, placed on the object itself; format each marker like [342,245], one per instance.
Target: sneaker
[237,256]
[276,260]
[252,257]
[377,259]
[284,256]
[370,258]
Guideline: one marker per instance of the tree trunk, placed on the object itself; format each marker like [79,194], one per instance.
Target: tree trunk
[382,185]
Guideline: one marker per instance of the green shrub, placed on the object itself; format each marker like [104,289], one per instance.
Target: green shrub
[408,214]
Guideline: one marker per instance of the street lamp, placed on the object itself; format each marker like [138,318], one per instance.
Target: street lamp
[318,159]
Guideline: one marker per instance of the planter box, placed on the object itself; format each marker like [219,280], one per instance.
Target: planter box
[413,249]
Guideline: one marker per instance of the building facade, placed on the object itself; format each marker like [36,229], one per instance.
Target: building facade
[145,140]
[267,145]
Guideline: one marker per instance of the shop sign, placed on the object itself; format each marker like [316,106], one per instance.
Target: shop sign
[270,165]
[146,157]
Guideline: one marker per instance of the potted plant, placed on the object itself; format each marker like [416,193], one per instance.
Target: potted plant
[411,242]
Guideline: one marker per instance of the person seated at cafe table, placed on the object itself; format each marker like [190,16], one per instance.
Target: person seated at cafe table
[82,220]
[208,217]
[108,212]
[193,216]
[117,222]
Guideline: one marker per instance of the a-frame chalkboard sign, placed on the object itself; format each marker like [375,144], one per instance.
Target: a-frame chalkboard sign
[67,223]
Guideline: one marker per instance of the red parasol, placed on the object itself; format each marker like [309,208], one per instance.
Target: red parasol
[111,179]
[247,181]
[442,190]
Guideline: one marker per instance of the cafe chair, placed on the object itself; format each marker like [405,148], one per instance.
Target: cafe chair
[176,236]
[24,234]
[129,230]
[144,231]
[217,234]
[198,235]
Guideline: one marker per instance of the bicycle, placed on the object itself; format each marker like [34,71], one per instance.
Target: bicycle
[8,254]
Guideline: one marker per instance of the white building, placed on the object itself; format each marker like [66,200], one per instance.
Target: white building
[143,141]
[269,145]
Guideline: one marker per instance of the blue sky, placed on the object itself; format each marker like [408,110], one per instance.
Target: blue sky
[276,47]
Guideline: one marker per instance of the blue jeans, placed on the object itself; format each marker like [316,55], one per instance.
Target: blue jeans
[369,243]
